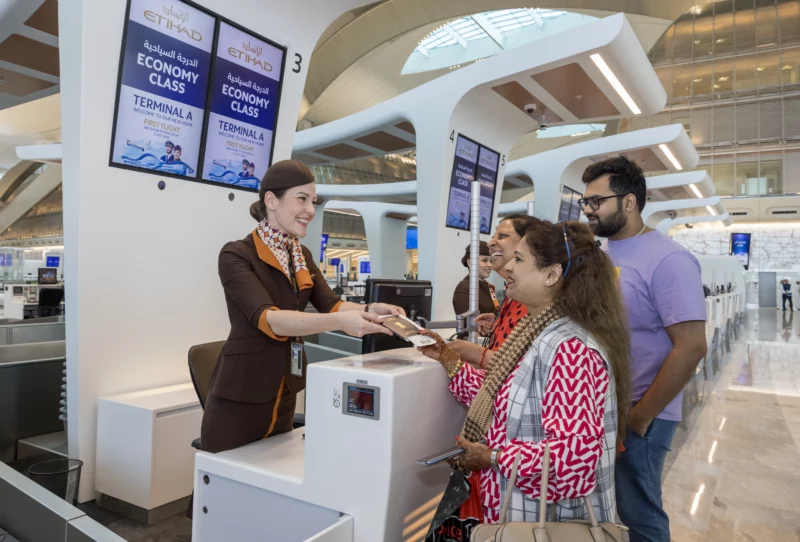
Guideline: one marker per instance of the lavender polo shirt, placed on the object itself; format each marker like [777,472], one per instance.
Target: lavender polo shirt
[661,286]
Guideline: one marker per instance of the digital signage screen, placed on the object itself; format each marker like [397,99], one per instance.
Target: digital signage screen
[162,88]
[472,160]
[412,239]
[245,95]
[569,208]
[740,247]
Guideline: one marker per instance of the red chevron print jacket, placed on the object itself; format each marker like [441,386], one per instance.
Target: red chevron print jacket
[570,415]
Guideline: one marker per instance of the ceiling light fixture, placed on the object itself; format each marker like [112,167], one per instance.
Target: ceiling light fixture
[697,42]
[721,40]
[786,67]
[711,210]
[760,69]
[716,86]
[696,191]
[722,424]
[342,213]
[609,75]
[670,157]
[723,78]
[580,134]
[697,80]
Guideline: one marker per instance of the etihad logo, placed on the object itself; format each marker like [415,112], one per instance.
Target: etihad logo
[465,152]
[250,54]
[489,162]
[175,21]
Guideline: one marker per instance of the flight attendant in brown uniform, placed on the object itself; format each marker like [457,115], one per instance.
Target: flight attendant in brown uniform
[268,279]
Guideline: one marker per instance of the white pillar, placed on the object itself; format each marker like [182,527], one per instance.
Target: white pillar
[441,248]
[131,324]
[313,238]
[386,241]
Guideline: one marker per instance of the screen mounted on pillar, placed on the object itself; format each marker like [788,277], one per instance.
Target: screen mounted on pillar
[570,209]
[740,247]
[197,96]
[472,160]
[245,94]
[162,88]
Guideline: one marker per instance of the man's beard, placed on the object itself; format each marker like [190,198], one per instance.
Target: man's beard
[611,225]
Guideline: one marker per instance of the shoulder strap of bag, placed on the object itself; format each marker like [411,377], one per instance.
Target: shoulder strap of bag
[542,491]
[510,487]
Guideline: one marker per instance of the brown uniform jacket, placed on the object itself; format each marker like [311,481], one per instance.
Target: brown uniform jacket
[254,361]
[487,302]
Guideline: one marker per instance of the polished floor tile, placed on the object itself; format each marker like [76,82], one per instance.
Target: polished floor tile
[734,471]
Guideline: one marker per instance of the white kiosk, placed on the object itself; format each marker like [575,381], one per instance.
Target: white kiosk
[350,475]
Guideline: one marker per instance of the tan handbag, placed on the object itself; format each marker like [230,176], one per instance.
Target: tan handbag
[564,531]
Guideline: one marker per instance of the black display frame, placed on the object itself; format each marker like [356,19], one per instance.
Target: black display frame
[206,107]
[494,189]
[202,159]
[572,202]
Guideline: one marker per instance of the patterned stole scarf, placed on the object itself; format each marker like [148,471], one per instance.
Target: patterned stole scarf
[282,244]
[479,417]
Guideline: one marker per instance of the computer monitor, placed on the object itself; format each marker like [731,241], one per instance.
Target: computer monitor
[48,275]
[414,296]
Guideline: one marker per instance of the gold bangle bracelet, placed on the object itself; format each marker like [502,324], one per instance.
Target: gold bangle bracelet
[459,364]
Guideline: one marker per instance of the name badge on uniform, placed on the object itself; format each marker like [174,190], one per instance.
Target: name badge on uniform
[297,359]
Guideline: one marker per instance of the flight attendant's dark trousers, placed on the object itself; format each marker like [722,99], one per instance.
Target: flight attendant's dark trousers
[231,424]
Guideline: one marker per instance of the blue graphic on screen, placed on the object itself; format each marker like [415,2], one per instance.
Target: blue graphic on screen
[740,247]
[335,261]
[224,171]
[144,154]
[166,65]
[365,269]
[323,247]
[53,261]
[412,238]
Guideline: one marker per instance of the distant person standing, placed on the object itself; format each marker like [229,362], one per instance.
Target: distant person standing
[787,294]
[663,294]
[487,299]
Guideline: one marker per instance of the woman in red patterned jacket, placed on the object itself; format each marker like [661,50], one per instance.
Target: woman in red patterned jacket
[561,377]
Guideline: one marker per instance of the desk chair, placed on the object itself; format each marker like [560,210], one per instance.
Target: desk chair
[50,301]
[202,359]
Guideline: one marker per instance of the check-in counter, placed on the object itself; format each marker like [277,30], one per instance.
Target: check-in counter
[28,331]
[348,475]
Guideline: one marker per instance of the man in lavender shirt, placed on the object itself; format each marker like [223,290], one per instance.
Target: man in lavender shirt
[663,295]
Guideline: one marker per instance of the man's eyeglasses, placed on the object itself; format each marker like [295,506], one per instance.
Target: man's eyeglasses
[595,201]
